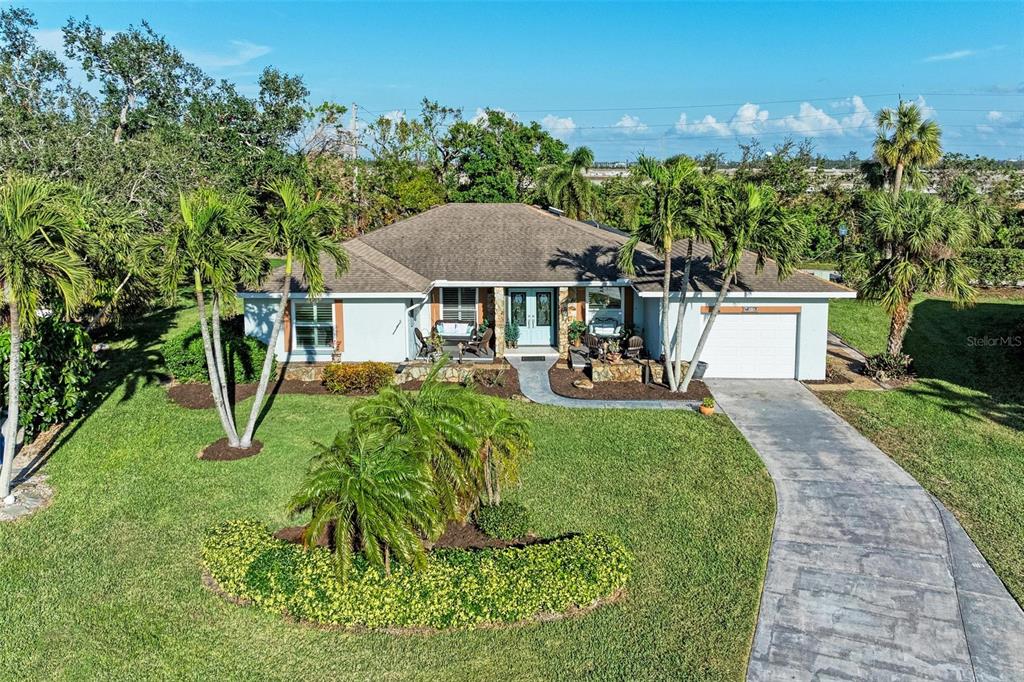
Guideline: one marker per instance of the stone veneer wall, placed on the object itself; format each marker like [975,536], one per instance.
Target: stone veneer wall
[564,317]
[499,321]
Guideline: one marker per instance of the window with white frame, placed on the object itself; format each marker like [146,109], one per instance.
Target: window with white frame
[458,304]
[314,324]
[604,302]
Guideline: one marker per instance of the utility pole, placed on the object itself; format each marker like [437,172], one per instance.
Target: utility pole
[354,134]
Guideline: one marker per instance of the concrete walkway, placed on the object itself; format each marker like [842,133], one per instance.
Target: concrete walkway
[534,383]
[869,577]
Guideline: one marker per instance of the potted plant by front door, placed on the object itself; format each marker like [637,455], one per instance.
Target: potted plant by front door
[512,335]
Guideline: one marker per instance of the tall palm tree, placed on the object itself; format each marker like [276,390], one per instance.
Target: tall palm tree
[982,215]
[206,249]
[441,421]
[37,231]
[906,141]
[375,495]
[300,230]
[680,200]
[505,444]
[914,244]
[751,220]
[565,186]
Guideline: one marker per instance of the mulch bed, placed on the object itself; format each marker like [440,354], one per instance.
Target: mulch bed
[456,536]
[220,451]
[562,377]
[485,385]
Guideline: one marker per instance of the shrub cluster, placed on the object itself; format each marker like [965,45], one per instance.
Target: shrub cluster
[457,588]
[186,360]
[57,364]
[996,267]
[505,521]
[887,367]
[357,377]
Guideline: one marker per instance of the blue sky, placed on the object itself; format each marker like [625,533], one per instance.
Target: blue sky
[622,78]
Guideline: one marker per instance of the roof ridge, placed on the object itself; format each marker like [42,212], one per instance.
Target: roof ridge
[386,264]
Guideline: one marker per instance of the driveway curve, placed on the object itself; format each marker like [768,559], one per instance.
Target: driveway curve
[869,577]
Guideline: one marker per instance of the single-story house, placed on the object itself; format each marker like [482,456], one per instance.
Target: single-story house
[461,264]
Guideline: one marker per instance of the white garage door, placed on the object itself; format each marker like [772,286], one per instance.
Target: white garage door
[752,346]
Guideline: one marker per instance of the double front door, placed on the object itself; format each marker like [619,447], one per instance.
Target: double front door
[534,311]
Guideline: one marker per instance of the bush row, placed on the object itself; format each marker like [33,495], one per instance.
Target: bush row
[457,588]
[996,267]
[185,357]
[505,521]
[362,377]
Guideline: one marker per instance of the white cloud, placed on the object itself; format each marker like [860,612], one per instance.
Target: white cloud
[50,39]
[560,127]
[630,125]
[395,116]
[860,117]
[481,114]
[926,110]
[241,52]
[706,125]
[808,121]
[995,116]
[951,56]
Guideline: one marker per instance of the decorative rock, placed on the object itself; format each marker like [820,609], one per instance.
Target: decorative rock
[29,497]
[583,383]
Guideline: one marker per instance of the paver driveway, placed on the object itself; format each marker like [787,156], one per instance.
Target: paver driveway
[869,577]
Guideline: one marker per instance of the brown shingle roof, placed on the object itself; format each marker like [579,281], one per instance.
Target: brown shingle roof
[519,243]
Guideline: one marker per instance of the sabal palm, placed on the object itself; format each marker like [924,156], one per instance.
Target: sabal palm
[906,141]
[375,495]
[207,250]
[300,230]
[751,220]
[680,200]
[505,445]
[37,230]
[914,244]
[441,422]
[565,186]
[982,215]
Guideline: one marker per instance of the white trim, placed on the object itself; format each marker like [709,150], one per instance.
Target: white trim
[711,295]
[335,295]
[440,283]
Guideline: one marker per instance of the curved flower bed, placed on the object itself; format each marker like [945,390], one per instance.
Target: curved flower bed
[457,588]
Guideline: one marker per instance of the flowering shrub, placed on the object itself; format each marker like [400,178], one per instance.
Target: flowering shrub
[457,588]
[349,377]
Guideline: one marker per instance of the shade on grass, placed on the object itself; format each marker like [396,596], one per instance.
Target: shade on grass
[106,582]
[959,429]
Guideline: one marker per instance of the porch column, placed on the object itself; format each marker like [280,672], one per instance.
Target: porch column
[499,321]
[565,316]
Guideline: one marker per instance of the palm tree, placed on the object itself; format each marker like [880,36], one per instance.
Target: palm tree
[206,249]
[375,495]
[565,186]
[982,215]
[300,230]
[37,229]
[505,444]
[441,421]
[752,221]
[680,199]
[906,142]
[914,244]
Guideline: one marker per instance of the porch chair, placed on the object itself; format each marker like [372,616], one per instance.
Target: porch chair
[482,345]
[633,347]
[425,349]
[593,344]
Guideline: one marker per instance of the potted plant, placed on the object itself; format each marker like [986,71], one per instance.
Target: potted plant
[512,335]
[575,332]
[482,327]
[707,406]
[614,353]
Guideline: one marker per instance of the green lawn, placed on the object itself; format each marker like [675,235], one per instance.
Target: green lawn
[959,429]
[106,582]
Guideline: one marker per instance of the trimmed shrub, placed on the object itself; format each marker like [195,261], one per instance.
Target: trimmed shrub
[362,377]
[457,588]
[886,367]
[997,267]
[57,364]
[186,360]
[505,521]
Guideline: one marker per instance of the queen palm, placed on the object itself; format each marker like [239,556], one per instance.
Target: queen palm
[680,200]
[505,444]
[565,186]
[373,494]
[914,244]
[906,142]
[300,231]
[37,229]
[442,422]
[206,249]
[751,221]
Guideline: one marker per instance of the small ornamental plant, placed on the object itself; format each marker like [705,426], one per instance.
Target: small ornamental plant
[512,334]
[575,332]
[707,406]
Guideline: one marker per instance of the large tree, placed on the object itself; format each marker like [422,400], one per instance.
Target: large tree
[565,185]
[906,143]
[38,269]
[753,224]
[912,243]
[680,201]
[300,230]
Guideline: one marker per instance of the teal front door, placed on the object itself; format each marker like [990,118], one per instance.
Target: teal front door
[534,311]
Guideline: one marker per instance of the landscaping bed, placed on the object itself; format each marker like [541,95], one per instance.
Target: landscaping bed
[562,379]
